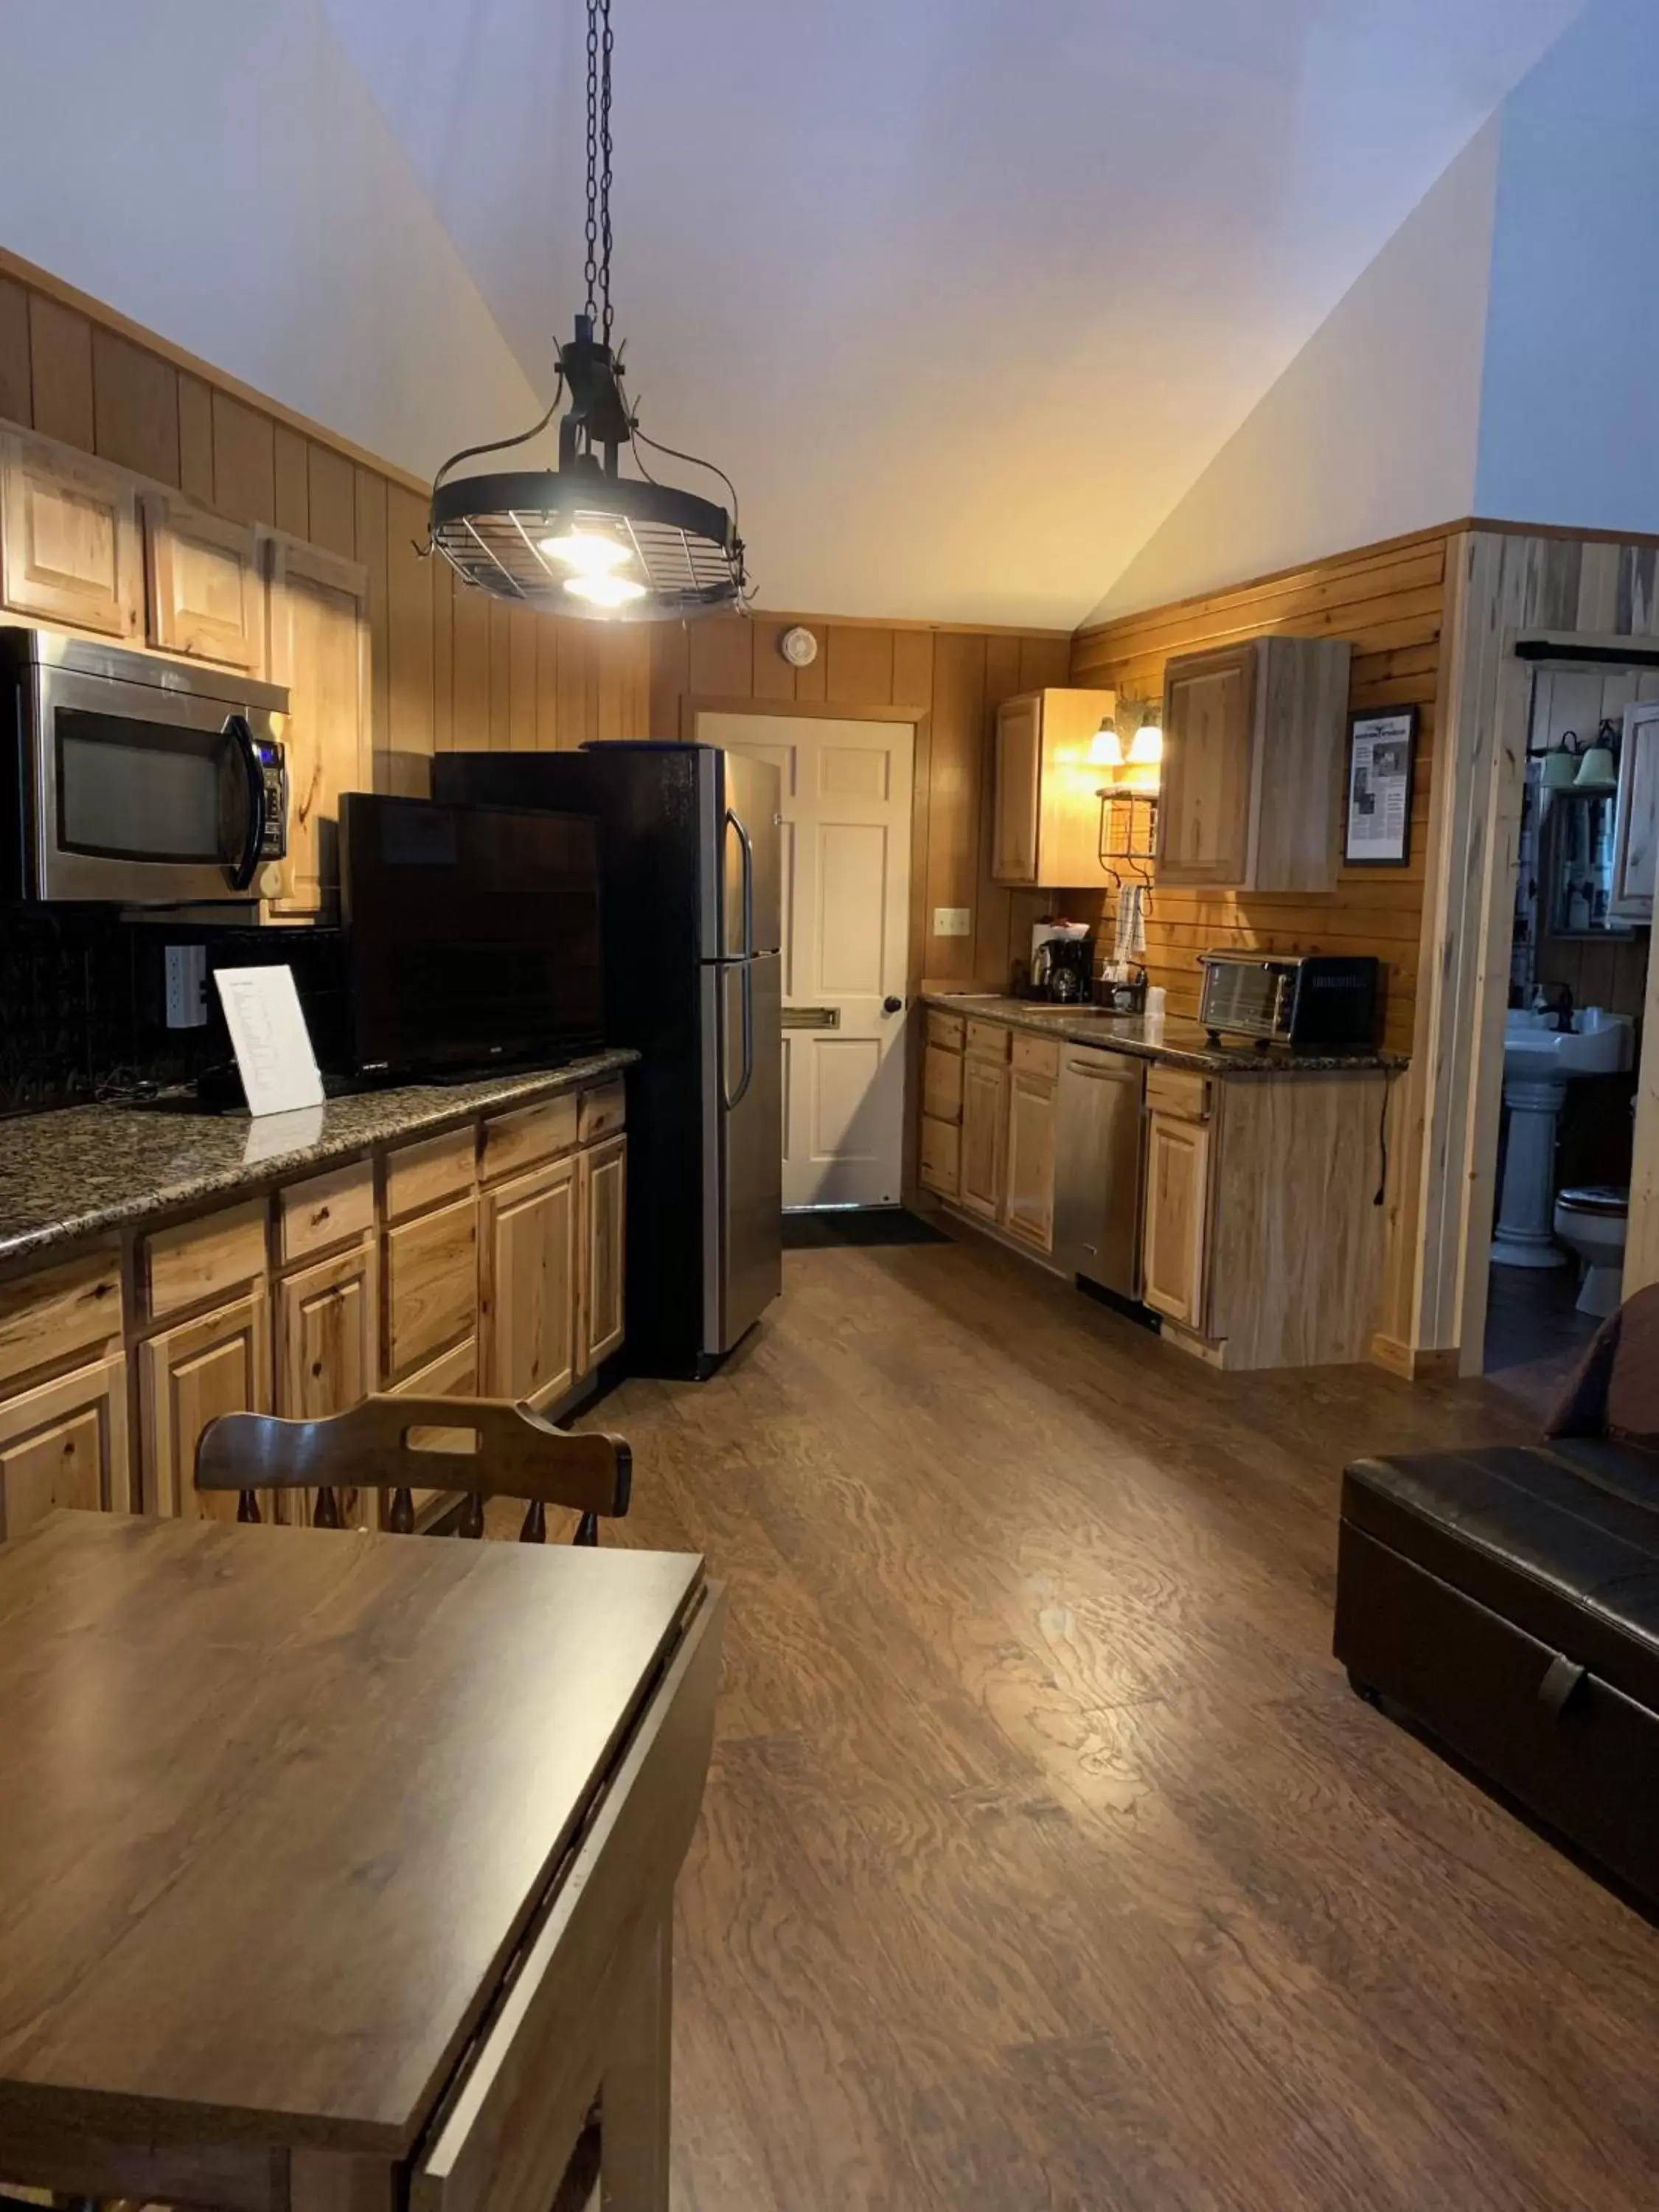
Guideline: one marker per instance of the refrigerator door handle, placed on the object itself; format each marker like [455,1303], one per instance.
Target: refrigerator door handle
[735,1099]
[734,821]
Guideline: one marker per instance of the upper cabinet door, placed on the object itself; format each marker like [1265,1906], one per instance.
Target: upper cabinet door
[70,545]
[1019,790]
[1209,741]
[206,588]
[320,648]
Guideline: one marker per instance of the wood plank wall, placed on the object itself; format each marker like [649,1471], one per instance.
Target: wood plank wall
[1389,601]
[451,668]
[954,679]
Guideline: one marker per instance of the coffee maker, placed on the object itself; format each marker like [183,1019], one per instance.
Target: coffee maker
[1062,970]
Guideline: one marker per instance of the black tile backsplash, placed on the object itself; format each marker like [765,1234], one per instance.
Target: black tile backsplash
[82,1000]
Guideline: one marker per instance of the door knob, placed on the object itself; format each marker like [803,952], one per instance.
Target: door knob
[892,1005]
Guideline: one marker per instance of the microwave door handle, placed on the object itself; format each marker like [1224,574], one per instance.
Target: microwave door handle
[243,866]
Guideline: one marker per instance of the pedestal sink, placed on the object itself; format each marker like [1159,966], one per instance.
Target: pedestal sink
[1540,1060]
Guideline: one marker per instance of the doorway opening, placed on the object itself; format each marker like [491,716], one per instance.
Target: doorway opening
[845,822]
[1583,912]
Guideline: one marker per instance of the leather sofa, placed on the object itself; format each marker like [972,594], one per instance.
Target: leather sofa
[1507,1599]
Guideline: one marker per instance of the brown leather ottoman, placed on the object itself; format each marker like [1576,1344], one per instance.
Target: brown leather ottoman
[1508,1599]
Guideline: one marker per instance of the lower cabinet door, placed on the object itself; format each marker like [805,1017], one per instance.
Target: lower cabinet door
[325,1333]
[189,1375]
[1173,1239]
[603,1174]
[454,1374]
[529,1301]
[431,1286]
[984,1137]
[941,1156]
[1029,1209]
[64,1443]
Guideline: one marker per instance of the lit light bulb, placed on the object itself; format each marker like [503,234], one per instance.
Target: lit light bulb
[1105,748]
[604,591]
[589,552]
[1146,748]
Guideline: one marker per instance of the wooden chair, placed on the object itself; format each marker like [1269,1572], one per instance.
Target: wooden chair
[516,1453]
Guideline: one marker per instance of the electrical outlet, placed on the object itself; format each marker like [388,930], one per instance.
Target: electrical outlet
[186,970]
[952,922]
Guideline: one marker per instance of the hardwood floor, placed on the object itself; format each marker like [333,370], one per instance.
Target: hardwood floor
[1047,1860]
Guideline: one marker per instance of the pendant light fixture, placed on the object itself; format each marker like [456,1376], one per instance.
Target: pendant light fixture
[583,538]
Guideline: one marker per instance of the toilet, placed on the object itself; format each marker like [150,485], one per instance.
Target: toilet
[1591,1221]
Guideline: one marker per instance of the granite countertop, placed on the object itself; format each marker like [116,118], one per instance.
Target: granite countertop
[1175,1039]
[88,1170]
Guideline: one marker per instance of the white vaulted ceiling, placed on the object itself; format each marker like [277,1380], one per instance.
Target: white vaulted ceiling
[963,294]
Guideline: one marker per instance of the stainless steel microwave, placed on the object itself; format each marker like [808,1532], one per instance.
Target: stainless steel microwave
[136,779]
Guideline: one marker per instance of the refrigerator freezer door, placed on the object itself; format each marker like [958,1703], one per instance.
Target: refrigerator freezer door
[742,905]
[742,1174]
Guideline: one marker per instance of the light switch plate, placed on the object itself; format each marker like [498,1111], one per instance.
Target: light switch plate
[952,922]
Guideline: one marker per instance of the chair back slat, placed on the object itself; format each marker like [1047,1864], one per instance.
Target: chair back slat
[514,1454]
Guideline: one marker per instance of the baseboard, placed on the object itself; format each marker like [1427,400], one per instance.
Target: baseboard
[1415,1363]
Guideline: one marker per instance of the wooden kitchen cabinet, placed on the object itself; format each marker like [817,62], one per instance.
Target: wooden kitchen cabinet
[64,1443]
[1029,1201]
[319,647]
[1255,758]
[431,1286]
[529,1300]
[1045,816]
[71,548]
[940,1160]
[207,589]
[1174,1234]
[603,1213]
[188,1374]
[984,1137]
[326,1335]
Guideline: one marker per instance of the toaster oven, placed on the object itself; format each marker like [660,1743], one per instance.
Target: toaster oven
[1306,1000]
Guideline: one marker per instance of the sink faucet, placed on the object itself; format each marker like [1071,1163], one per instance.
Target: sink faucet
[1563,1008]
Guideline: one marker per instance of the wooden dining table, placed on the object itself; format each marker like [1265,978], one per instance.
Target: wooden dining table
[336,1869]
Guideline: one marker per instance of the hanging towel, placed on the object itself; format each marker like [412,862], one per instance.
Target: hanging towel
[1129,942]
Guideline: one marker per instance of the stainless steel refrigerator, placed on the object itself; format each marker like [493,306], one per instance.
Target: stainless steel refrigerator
[692,900]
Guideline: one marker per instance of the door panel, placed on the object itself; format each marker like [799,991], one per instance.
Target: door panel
[844,852]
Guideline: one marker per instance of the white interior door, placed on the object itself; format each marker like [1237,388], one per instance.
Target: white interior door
[846,835]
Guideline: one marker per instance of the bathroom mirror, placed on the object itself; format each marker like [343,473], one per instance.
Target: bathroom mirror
[1575,863]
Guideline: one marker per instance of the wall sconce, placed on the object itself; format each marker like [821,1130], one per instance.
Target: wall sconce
[1146,747]
[1106,747]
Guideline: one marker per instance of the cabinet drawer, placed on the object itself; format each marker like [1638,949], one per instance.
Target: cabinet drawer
[52,1319]
[987,1039]
[941,1084]
[1178,1090]
[603,1111]
[1036,1055]
[201,1260]
[431,1286]
[941,1156]
[944,1029]
[424,1175]
[512,1141]
[328,1210]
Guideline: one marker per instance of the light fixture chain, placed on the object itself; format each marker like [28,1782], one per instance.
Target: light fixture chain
[605,173]
[592,224]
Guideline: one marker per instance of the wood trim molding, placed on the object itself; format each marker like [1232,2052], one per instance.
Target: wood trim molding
[819,620]
[816,710]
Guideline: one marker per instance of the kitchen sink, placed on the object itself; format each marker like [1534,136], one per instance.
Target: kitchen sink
[1534,1050]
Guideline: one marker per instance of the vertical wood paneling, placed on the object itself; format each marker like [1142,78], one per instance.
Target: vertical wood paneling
[60,371]
[196,444]
[913,671]
[293,488]
[244,461]
[722,658]
[369,499]
[331,482]
[16,404]
[134,407]
[443,655]
[522,695]
[410,675]
[547,686]
[670,675]
[811,682]
[956,763]
[501,675]
[572,716]
[471,611]
[773,676]
[860,666]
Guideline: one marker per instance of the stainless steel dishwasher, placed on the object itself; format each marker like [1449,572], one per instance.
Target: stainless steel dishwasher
[1099,1162]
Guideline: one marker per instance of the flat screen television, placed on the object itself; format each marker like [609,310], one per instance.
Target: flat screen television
[472,934]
